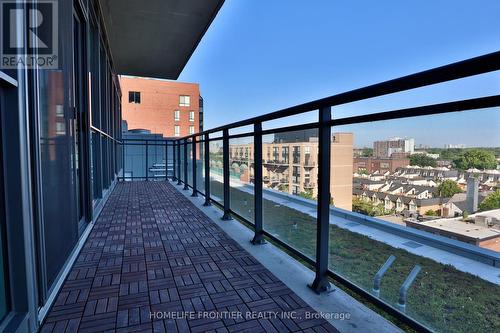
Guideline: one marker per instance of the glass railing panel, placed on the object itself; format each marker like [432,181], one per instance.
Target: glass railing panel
[156,160]
[170,159]
[182,173]
[190,157]
[216,174]
[200,166]
[289,208]
[135,160]
[455,90]
[298,119]
[241,176]
[426,175]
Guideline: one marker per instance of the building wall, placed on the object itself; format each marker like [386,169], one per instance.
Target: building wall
[341,165]
[492,244]
[372,164]
[159,101]
[422,209]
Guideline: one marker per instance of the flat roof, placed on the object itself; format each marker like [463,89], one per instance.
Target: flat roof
[463,228]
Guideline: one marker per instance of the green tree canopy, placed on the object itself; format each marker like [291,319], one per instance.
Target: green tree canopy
[422,160]
[367,207]
[367,152]
[308,194]
[448,188]
[430,212]
[492,201]
[476,158]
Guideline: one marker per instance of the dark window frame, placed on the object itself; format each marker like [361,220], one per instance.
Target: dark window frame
[134,97]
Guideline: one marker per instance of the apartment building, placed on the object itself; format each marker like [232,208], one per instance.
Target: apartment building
[173,109]
[386,148]
[291,166]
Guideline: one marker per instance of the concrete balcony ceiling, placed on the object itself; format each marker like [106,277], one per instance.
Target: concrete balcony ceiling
[155,38]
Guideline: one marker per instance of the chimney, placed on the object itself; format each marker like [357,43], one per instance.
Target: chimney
[472,195]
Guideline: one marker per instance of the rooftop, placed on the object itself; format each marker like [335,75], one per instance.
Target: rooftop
[467,229]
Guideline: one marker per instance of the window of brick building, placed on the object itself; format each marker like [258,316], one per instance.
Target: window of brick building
[177,115]
[134,97]
[177,130]
[184,100]
[191,115]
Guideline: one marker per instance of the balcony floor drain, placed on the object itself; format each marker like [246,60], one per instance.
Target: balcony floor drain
[352,224]
[412,244]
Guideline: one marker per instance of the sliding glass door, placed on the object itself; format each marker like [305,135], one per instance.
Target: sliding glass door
[63,142]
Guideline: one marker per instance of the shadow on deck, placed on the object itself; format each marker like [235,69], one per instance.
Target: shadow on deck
[152,255]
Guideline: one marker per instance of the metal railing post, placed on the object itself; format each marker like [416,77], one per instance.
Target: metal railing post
[179,180]
[147,160]
[207,171]
[378,277]
[166,159]
[226,175]
[193,152]
[186,187]
[174,166]
[321,283]
[258,237]
[123,160]
[403,291]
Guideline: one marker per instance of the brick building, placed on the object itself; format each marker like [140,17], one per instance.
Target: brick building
[173,109]
[382,165]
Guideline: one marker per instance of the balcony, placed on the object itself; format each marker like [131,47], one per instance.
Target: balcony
[154,250]
[276,163]
[309,164]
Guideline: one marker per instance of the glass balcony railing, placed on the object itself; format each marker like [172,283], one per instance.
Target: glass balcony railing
[407,224]
[145,159]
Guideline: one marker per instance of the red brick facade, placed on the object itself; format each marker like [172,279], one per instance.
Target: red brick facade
[382,165]
[159,100]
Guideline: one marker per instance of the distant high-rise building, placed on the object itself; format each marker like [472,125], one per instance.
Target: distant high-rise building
[386,148]
[454,146]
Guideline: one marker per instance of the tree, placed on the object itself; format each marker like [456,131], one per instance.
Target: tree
[283,188]
[492,201]
[367,208]
[367,152]
[430,212]
[422,160]
[308,194]
[448,188]
[476,158]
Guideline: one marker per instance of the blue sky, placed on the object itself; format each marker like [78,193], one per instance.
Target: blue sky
[260,56]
